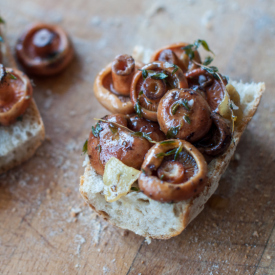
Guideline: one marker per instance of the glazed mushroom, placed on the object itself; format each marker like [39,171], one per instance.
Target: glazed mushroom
[44,49]
[217,141]
[176,55]
[112,85]
[113,139]
[151,83]
[138,124]
[15,95]
[184,114]
[172,171]
[212,88]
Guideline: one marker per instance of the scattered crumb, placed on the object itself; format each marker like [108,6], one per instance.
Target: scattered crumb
[124,233]
[148,240]
[255,234]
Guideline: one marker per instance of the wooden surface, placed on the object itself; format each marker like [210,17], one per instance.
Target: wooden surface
[44,226]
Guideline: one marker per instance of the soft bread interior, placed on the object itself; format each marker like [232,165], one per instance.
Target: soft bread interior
[149,218]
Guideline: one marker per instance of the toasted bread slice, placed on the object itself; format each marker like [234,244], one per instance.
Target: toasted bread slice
[153,219]
[19,141]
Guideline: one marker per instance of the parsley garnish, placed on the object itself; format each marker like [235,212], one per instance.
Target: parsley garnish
[140,92]
[96,130]
[207,60]
[143,135]
[212,70]
[85,147]
[172,132]
[159,76]
[181,102]
[138,109]
[191,48]
[11,76]
[187,119]
[176,68]
[144,73]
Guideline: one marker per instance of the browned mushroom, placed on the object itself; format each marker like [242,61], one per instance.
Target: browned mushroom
[15,95]
[184,114]
[172,171]
[176,55]
[44,49]
[218,139]
[117,75]
[151,83]
[113,139]
[209,86]
[138,124]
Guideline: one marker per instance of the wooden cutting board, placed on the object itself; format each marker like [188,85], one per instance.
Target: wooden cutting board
[45,228]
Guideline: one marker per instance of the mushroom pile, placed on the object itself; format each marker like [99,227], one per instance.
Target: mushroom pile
[170,117]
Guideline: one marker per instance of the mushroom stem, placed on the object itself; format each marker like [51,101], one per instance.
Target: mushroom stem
[153,88]
[171,171]
[169,56]
[123,70]
[43,42]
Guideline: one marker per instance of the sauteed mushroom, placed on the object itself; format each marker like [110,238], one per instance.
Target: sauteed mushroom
[172,171]
[15,95]
[113,139]
[146,126]
[151,83]
[218,139]
[112,85]
[44,49]
[184,114]
[176,55]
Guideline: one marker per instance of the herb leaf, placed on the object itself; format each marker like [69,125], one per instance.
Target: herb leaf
[161,177]
[172,132]
[85,147]
[2,21]
[144,73]
[166,142]
[159,76]
[143,135]
[134,188]
[96,130]
[11,76]
[98,147]
[176,68]
[182,102]
[187,119]
[207,60]
[162,154]
[113,128]
[140,92]
[138,109]
[179,149]
[203,43]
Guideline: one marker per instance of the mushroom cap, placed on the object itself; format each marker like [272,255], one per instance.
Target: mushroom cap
[191,124]
[44,49]
[164,191]
[177,49]
[17,102]
[178,78]
[106,95]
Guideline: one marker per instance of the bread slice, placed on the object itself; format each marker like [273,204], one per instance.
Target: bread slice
[153,219]
[19,141]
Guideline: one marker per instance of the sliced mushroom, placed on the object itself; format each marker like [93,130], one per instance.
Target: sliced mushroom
[15,95]
[44,49]
[184,114]
[138,124]
[177,57]
[104,85]
[151,83]
[217,141]
[113,139]
[172,171]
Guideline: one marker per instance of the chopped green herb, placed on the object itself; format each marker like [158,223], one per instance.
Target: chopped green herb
[179,149]
[85,147]
[143,135]
[159,76]
[98,147]
[138,109]
[176,68]
[203,43]
[162,154]
[140,92]
[212,70]
[144,73]
[2,21]
[161,177]
[167,142]
[207,60]
[96,130]
[172,132]
[187,119]
[113,128]
[143,171]
[181,102]
[11,76]
[134,188]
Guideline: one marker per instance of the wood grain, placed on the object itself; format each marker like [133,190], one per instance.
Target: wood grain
[44,226]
